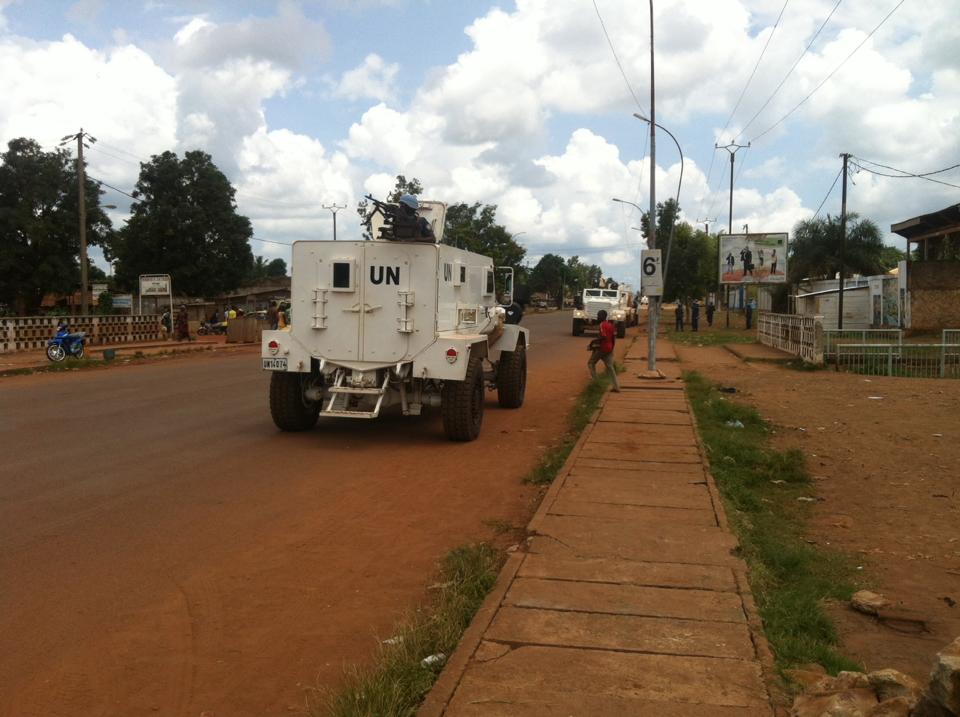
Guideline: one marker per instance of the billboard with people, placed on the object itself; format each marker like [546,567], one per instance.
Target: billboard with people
[753,258]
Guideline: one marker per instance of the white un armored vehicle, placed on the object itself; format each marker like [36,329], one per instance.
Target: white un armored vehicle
[401,319]
[616,302]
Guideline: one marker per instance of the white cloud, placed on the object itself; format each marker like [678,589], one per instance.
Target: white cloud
[373,79]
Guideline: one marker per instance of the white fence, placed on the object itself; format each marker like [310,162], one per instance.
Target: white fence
[907,360]
[951,337]
[20,333]
[833,337]
[799,335]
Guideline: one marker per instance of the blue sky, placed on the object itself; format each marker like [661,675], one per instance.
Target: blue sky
[519,104]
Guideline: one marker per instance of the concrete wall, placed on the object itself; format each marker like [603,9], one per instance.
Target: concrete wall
[20,333]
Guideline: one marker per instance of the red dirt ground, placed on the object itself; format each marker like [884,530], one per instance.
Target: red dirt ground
[885,457]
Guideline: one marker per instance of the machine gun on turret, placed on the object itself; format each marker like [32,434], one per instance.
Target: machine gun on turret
[401,223]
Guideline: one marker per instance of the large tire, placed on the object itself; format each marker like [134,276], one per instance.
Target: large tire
[289,409]
[621,329]
[578,327]
[512,376]
[462,404]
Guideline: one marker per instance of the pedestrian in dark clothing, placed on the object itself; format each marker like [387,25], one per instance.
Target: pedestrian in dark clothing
[679,314]
[749,314]
[710,309]
[695,315]
[602,350]
[183,325]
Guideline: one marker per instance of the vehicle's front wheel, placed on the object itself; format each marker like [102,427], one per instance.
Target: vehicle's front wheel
[56,353]
[512,376]
[290,410]
[462,404]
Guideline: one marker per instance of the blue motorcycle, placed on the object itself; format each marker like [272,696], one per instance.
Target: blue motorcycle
[65,344]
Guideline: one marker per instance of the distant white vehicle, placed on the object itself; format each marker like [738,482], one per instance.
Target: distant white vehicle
[616,302]
[395,321]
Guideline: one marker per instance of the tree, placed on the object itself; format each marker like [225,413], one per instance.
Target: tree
[548,275]
[474,227]
[402,186]
[579,276]
[692,272]
[815,249]
[667,213]
[276,269]
[184,222]
[39,237]
[890,257]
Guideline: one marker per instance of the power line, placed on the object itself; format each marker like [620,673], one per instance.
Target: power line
[790,71]
[827,78]
[271,241]
[903,173]
[829,192]
[617,58]
[121,150]
[110,186]
[755,66]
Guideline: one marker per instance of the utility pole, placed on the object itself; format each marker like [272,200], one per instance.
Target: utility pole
[843,239]
[653,305]
[334,208]
[706,230]
[82,212]
[732,151]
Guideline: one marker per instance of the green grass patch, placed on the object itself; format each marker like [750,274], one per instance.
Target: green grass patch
[397,681]
[587,403]
[798,364]
[760,486]
[709,337]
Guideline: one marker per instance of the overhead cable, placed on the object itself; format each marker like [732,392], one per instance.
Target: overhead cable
[903,173]
[832,73]
[617,58]
[829,192]
[790,71]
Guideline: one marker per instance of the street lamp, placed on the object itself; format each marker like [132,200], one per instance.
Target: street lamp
[666,263]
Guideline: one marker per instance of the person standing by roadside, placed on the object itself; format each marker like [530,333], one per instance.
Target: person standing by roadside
[183,324]
[710,309]
[751,305]
[602,350]
[678,313]
[695,315]
[273,316]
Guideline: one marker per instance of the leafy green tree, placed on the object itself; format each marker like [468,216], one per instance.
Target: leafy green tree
[548,275]
[184,222]
[692,272]
[401,186]
[815,248]
[105,303]
[276,269]
[39,239]
[579,276]
[474,227]
[890,257]
[667,213]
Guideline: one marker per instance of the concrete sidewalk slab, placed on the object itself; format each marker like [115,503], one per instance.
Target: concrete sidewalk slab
[758,352]
[667,636]
[629,597]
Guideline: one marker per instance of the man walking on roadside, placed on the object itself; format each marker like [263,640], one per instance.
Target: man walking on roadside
[695,315]
[602,350]
[678,313]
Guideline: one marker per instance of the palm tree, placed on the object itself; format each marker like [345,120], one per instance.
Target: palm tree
[815,249]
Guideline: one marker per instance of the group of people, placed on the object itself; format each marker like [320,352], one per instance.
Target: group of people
[178,326]
[746,260]
[694,314]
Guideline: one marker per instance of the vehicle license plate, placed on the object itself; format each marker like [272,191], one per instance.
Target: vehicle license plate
[275,364]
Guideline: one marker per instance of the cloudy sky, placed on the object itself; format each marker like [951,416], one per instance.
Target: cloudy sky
[526,104]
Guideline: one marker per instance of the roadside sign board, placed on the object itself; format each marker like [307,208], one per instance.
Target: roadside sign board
[123,301]
[651,273]
[753,258]
[154,284]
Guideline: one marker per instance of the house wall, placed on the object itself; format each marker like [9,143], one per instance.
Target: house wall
[934,309]
[938,275]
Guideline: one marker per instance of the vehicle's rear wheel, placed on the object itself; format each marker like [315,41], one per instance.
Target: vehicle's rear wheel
[578,327]
[462,404]
[621,329]
[288,407]
[512,376]
[78,352]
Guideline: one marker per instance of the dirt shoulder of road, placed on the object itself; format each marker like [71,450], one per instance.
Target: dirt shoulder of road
[884,454]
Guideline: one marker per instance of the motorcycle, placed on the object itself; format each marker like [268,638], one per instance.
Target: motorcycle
[210,328]
[65,344]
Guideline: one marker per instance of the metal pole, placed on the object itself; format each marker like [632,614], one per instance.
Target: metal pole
[843,239]
[334,208]
[653,305]
[82,203]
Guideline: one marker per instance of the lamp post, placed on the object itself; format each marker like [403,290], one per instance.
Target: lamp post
[666,262]
[334,208]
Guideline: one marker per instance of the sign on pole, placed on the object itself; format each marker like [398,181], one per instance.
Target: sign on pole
[156,285]
[651,273]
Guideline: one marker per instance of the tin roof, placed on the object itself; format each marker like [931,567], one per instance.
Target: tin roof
[941,220]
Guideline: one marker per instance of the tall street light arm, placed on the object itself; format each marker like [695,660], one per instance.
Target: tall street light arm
[666,263]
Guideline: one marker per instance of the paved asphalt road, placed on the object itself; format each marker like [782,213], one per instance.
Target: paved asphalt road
[164,550]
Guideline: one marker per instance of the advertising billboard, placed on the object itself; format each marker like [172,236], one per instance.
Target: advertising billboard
[753,258]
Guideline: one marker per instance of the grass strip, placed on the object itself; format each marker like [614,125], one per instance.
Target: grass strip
[710,337]
[74,364]
[397,681]
[586,404]
[760,487]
